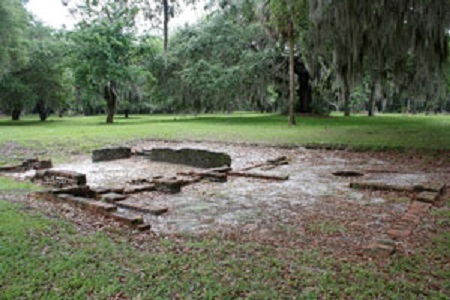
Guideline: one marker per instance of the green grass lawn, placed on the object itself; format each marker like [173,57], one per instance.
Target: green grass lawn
[42,258]
[47,258]
[360,132]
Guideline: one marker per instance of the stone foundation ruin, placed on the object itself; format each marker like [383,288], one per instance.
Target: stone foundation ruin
[109,154]
[59,178]
[173,195]
[189,157]
[120,203]
[29,164]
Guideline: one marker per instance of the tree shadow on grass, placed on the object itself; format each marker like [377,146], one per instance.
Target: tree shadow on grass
[25,123]
[377,123]
[204,120]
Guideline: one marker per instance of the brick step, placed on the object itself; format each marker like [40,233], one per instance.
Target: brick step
[59,177]
[88,204]
[171,186]
[427,197]
[140,189]
[380,248]
[144,227]
[142,207]
[112,197]
[129,219]
[437,188]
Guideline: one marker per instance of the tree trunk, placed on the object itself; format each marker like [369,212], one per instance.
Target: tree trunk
[111,98]
[346,96]
[79,100]
[304,90]
[371,104]
[127,112]
[42,111]
[384,103]
[336,104]
[414,106]
[291,75]
[43,115]
[344,91]
[15,114]
[166,29]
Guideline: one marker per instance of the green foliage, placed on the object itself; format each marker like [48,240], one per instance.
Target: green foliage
[106,51]
[223,63]
[282,14]
[43,79]
[103,50]
[14,23]
[48,73]
[15,93]
[402,41]
[236,58]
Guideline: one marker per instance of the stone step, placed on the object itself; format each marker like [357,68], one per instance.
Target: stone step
[29,164]
[171,186]
[88,204]
[112,197]
[419,207]
[431,187]
[99,192]
[215,177]
[79,191]
[142,207]
[223,169]
[427,197]
[140,189]
[381,248]
[117,190]
[427,192]
[410,217]
[397,233]
[189,181]
[11,169]
[59,176]
[129,219]
[144,227]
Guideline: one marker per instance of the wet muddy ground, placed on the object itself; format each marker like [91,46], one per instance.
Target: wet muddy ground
[313,208]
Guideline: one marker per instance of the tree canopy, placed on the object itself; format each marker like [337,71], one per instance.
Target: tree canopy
[276,55]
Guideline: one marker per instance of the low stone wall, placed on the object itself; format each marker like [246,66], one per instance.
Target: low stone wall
[108,154]
[190,157]
[60,178]
[29,164]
